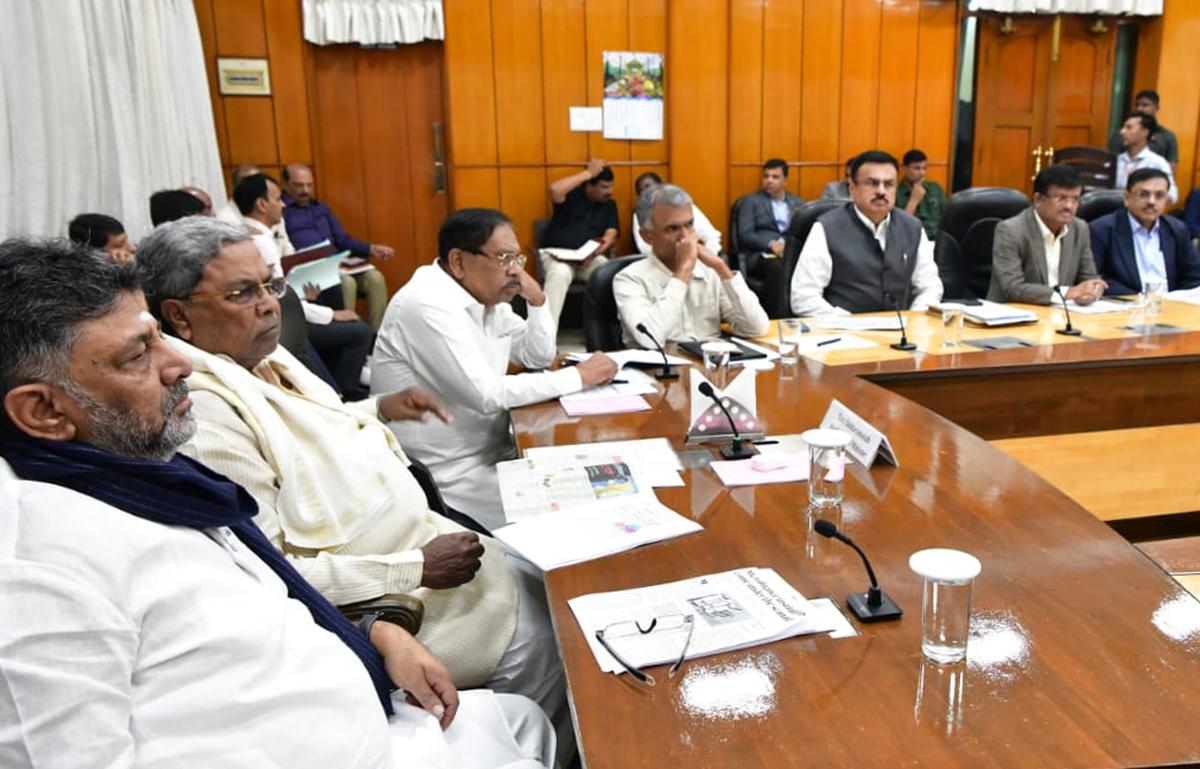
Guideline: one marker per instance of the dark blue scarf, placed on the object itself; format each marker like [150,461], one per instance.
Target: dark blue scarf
[181,492]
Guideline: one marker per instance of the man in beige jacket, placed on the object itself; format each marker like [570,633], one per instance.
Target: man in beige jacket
[333,487]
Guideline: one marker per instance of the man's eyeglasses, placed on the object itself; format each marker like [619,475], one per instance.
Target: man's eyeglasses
[246,295]
[613,634]
[506,260]
[1060,199]
[1151,194]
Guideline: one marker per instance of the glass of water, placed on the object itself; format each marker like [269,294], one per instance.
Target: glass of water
[826,466]
[946,601]
[952,325]
[1152,299]
[789,339]
[716,361]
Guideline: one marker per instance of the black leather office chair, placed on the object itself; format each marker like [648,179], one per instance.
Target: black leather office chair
[1097,168]
[601,324]
[1097,203]
[797,233]
[963,250]
[733,247]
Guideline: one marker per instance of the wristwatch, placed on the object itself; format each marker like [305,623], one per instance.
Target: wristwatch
[366,621]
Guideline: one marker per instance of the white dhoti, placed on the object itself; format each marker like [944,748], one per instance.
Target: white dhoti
[490,731]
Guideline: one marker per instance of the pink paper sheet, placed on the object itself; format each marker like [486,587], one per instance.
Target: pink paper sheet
[743,473]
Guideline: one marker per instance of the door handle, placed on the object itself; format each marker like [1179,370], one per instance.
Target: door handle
[439,160]
[1037,161]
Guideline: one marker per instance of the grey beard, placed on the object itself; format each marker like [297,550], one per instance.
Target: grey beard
[122,433]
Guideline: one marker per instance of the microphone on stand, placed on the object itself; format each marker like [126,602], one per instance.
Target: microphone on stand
[738,449]
[903,344]
[873,605]
[1069,330]
[666,372]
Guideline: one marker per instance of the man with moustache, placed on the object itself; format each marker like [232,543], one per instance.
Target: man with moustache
[144,620]
[1137,245]
[1045,247]
[452,331]
[866,256]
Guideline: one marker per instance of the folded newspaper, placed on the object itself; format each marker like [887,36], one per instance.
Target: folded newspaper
[731,610]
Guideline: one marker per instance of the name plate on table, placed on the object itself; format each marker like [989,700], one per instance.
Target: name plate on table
[867,444]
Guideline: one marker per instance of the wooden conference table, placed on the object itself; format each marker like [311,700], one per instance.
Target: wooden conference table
[1083,652]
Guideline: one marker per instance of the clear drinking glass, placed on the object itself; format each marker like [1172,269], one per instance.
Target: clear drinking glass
[946,601]
[716,361]
[789,339]
[1152,299]
[952,325]
[826,466]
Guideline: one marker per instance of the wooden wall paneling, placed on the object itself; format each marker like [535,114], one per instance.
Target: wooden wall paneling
[1080,86]
[1179,61]
[782,71]
[338,159]
[899,49]
[564,79]
[860,76]
[289,86]
[470,83]
[517,51]
[1149,43]
[385,178]
[698,44]
[241,28]
[746,107]
[475,187]
[648,32]
[606,28]
[250,121]
[208,41]
[523,197]
[1010,104]
[423,103]
[743,179]
[936,98]
[821,86]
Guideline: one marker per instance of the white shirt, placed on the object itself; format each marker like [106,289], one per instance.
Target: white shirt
[437,336]
[229,213]
[673,311]
[1053,244]
[268,247]
[1147,158]
[1147,250]
[814,270]
[703,226]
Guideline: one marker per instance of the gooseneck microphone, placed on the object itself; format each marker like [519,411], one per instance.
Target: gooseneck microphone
[738,448]
[666,372]
[1069,330]
[873,605]
[903,344]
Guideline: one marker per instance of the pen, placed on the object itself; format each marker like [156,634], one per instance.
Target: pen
[619,381]
[824,342]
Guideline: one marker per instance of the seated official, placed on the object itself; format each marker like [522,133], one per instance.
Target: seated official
[452,331]
[583,210]
[1136,245]
[709,235]
[917,195]
[1045,246]
[682,291]
[866,256]
[763,216]
[333,487]
[144,620]
[340,338]
[1135,133]
[104,233]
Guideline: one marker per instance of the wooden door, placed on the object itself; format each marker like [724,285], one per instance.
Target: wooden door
[1038,89]
[377,114]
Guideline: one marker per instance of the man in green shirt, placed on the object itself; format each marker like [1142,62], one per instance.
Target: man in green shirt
[923,199]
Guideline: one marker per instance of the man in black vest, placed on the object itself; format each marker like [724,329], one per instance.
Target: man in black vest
[866,256]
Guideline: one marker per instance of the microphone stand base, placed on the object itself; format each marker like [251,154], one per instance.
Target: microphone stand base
[905,346]
[1068,331]
[886,610]
[738,450]
[666,374]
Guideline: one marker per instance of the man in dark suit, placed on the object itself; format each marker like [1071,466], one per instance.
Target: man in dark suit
[1137,244]
[1045,246]
[764,216]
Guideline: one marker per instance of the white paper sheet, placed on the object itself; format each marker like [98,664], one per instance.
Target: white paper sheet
[652,460]
[856,323]
[639,357]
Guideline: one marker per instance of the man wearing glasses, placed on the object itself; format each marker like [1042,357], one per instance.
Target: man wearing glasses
[452,331]
[1137,245]
[866,256]
[1045,247]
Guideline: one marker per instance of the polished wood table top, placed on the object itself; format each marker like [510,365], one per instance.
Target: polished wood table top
[1083,652]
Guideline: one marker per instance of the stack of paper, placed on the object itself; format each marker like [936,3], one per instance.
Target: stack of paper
[618,397]
[1189,295]
[652,460]
[594,530]
[988,313]
[856,323]
[573,254]
[634,357]
[731,610]
[1098,307]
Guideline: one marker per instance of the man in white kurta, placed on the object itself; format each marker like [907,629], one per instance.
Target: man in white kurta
[452,331]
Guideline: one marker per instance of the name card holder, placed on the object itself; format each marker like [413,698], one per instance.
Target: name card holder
[867,444]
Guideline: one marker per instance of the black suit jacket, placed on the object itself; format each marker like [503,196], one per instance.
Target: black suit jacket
[755,224]
[1116,257]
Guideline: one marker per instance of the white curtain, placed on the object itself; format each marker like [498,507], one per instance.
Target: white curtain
[104,102]
[372,22]
[1113,7]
